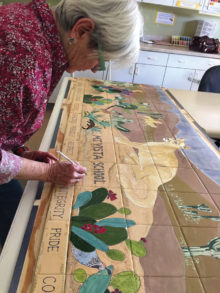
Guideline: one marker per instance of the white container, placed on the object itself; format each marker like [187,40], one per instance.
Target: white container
[205,28]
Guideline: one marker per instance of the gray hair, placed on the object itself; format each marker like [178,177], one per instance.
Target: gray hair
[118,25]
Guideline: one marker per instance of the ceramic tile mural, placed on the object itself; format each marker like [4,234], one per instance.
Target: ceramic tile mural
[146,217]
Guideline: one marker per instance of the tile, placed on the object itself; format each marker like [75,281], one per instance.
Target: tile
[171,120]
[96,150]
[211,285]
[71,149]
[149,207]
[77,99]
[53,251]
[91,262]
[162,106]
[192,139]
[203,245]
[194,285]
[203,158]
[128,153]
[60,204]
[156,133]
[71,285]
[114,195]
[100,174]
[216,198]
[48,283]
[173,284]
[164,256]
[114,236]
[163,211]
[136,177]
[89,129]
[167,154]
[181,179]
[194,209]
[73,128]
[128,124]
[210,179]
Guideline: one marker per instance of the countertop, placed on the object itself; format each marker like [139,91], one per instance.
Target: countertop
[203,108]
[176,50]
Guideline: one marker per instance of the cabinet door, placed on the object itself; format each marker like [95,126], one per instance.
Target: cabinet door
[178,78]
[149,74]
[160,2]
[123,75]
[196,80]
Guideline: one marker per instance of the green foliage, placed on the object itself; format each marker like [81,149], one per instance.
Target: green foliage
[113,235]
[115,254]
[127,282]
[136,247]
[125,211]
[98,196]
[80,275]
[98,211]
[96,100]
[90,238]
[79,221]
[80,243]
[116,222]
[82,199]
[97,283]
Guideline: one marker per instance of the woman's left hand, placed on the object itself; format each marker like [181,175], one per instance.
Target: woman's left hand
[39,156]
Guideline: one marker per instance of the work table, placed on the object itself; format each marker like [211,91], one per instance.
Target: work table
[146,216]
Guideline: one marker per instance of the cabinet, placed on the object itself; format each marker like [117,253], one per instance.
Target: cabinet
[149,74]
[123,75]
[178,78]
[166,69]
[185,72]
[196,79]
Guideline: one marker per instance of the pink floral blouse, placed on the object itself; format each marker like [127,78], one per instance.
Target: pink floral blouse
[32,61]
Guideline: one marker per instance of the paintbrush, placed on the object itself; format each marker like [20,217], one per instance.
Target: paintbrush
[68,159]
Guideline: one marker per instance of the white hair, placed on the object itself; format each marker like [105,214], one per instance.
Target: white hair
[118,25]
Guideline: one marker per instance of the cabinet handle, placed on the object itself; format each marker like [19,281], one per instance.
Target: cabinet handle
[180,61]
[151,58]
[194,80]
[136,70]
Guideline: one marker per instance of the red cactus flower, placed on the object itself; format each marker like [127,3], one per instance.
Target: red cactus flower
[99,229]
[143,239]
[87,227]
[111,195]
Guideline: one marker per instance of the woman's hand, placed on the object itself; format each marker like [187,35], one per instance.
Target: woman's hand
[39,156]
[62,173]
[65,173]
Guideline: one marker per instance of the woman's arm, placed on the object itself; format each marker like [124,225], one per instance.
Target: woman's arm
[62,173]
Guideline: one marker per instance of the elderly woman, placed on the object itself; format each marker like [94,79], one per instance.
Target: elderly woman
[37,45]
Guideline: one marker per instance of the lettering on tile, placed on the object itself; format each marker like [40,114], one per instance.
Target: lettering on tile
[61,202]
[49,283]
[52,257]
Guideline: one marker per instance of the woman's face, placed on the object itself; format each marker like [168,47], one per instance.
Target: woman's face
[81,57]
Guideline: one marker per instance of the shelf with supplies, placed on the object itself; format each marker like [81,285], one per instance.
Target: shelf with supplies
[206,7]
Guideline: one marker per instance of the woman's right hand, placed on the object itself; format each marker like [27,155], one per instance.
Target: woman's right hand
[64,173]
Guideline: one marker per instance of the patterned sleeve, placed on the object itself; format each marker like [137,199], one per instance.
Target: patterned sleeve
[10,166]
